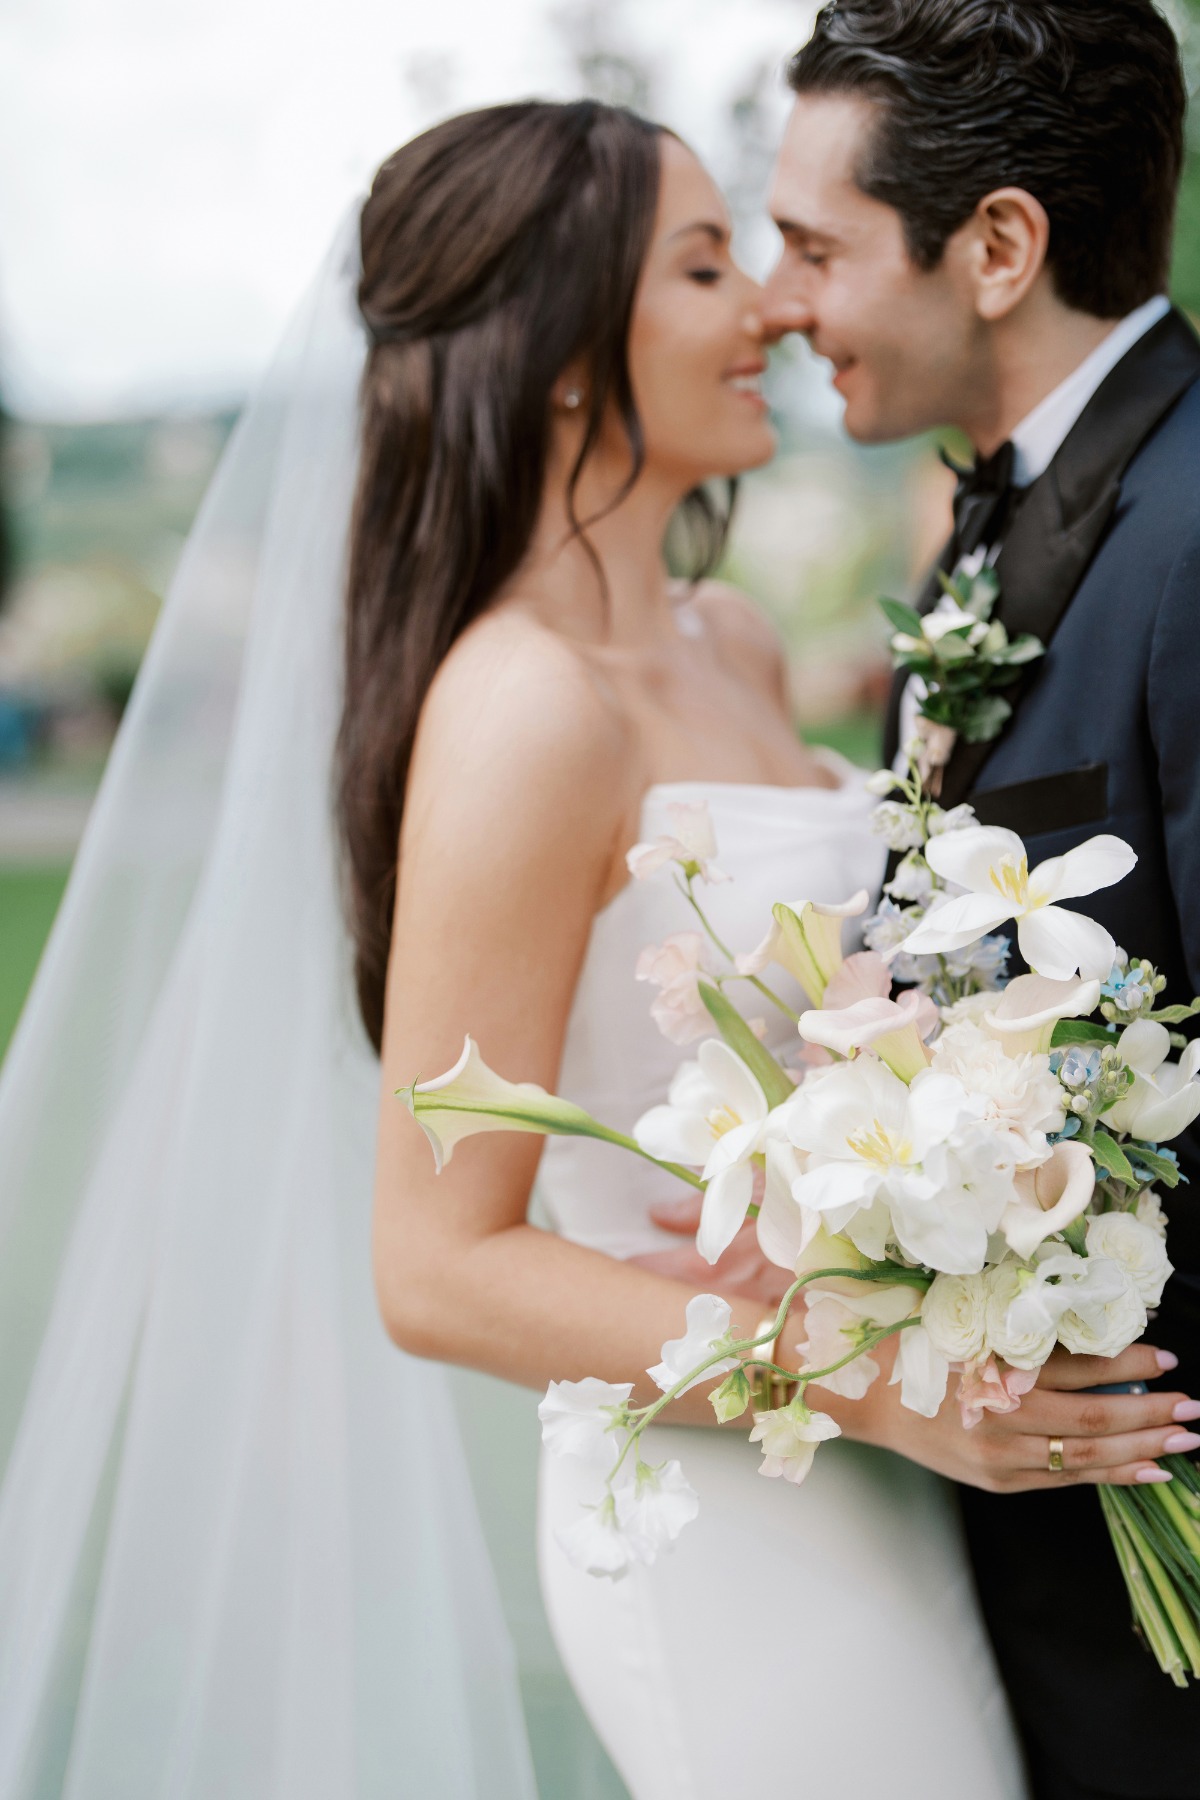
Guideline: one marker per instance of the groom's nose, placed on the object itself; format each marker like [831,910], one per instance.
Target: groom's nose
[783,313]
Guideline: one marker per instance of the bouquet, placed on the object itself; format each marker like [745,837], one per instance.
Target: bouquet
[969,1164]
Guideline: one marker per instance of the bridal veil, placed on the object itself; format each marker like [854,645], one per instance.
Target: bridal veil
[239,1554]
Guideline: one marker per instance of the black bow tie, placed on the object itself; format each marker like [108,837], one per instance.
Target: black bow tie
[982,498]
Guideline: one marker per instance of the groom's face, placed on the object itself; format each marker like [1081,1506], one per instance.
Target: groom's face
[905,343]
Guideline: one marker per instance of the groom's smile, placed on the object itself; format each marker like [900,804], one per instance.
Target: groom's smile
[902,340]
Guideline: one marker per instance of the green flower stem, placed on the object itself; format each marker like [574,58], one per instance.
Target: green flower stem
[686,889]
[1154,1626]
[876,1272]
[1180,1619]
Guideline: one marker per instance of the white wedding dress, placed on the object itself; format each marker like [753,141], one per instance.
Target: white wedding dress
[796,1641]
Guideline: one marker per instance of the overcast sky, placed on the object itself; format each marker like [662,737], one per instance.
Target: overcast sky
[170,170]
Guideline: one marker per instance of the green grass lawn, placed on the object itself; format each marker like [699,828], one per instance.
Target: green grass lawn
[29,899]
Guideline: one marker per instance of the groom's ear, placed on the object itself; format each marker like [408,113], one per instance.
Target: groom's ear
[1003,250]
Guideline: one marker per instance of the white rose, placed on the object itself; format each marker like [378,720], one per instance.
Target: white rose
[954,1314]
[1023,1097]
[1107,1313]
[1138,1248]
[1024,1344]
[1149,1210]
[970,1010]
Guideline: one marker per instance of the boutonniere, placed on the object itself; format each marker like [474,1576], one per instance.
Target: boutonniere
[963,658]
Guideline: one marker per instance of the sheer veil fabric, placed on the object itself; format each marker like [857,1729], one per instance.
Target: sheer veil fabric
[239,1554]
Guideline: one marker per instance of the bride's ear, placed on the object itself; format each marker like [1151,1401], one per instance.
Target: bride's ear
[1008,237]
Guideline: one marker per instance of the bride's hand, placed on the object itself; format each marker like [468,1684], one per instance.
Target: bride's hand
[1107,1438]
[743,1269]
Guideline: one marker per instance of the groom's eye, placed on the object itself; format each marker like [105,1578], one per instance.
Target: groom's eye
[814,258]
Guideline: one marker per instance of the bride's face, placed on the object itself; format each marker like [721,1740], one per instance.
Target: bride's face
[696,337]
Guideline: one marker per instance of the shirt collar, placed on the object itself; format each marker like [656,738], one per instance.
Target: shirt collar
[1041,433]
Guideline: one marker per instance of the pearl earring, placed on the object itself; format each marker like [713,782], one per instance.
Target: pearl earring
[572,399]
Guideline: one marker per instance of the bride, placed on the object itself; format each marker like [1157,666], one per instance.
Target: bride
[238,1554]
[561,360]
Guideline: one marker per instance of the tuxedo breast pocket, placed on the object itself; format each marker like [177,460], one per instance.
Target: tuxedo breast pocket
[1048,802]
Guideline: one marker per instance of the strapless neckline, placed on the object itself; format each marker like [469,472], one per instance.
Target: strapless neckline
[851,782]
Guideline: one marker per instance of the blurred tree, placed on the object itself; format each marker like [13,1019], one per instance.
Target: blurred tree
[600,44]
[1185,276]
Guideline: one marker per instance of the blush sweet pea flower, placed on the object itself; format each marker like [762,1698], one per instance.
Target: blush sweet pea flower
[806,940]
[675,968]
[1165,1096]
[692,845]
[992,866]
[715,1119]
[986,1387]
[835,1322]
[789,1439]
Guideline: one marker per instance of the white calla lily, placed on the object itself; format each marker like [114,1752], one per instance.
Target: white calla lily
[806,940]
[991,864]
[1023,1017]
[715,1119]
[1049,1197]
[470,1099]
[894,1029]
[1165,1096]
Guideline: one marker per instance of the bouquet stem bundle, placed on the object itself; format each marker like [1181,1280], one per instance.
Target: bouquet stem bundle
[1156,1534]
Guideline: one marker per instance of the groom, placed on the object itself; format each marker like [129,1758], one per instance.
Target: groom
[976,201]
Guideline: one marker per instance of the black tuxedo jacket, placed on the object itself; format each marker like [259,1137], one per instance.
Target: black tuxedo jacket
[1102,562]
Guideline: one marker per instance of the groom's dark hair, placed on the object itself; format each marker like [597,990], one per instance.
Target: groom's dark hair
[1079,102]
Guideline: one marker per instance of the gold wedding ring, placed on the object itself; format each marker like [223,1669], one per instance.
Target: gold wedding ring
[1055,1460]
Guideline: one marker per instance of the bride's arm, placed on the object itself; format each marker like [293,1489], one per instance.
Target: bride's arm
[520,802]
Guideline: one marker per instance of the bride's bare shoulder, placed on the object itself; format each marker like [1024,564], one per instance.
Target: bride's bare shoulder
[513,702]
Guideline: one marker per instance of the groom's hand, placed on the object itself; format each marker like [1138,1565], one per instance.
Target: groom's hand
[1107,1438]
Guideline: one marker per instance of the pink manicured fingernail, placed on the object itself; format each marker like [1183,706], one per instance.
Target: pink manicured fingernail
[1166,1359]
[1186,1412]
[1181,1440]
[1155,1474]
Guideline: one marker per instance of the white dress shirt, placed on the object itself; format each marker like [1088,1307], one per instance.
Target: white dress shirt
[1040,436]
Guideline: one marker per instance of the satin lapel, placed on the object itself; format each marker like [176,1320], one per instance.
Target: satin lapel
[1062,519]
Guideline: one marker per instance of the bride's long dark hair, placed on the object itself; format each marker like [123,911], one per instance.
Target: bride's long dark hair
[497,249]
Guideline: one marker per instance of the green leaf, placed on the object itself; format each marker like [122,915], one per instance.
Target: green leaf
[1023,649]
[1160,1168]
[954,648]
[731,1399]
[1112,1159]
[738,1035]
[1080,1031]
[901,617]
[1175,1015]
[984,718]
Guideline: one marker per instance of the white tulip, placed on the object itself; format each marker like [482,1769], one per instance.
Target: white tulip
[1165,1096]
[715,1119]
[1020,1345]
[992,866]
[580,1418]
[789,1439]
[1106,1314]
[1138,1248]
[917,1156]
[708,1319]
[954,1314]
